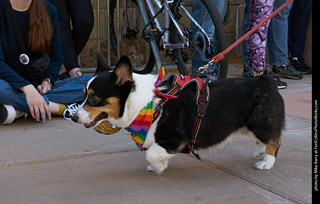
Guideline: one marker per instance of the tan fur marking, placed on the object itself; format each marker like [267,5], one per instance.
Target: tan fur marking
[273,146]
[113,109]
[90,92]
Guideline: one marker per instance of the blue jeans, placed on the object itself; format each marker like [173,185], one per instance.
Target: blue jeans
[278,35]
[65,92]
[244,28]
[205,22]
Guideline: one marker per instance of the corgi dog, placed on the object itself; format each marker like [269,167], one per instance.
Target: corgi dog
[254,103]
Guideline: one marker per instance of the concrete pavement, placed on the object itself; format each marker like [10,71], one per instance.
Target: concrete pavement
[62,162]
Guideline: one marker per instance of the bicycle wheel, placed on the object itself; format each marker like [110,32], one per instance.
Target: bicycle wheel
[131,42]
[204,43]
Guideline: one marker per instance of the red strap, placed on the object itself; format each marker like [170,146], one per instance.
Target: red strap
[221,55]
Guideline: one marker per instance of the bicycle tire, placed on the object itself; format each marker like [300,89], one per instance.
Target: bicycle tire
[219,35]
[146,67]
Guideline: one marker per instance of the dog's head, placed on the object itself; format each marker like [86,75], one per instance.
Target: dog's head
[105,93]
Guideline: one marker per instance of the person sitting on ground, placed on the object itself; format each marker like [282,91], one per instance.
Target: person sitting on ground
[22,90]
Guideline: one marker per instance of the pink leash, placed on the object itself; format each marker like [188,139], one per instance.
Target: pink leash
[221,55]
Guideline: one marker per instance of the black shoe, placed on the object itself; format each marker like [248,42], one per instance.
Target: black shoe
[280,84]
[8,114]
[288,71]
[301,66]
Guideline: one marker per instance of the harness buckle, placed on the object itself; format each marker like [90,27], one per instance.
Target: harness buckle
[202,107]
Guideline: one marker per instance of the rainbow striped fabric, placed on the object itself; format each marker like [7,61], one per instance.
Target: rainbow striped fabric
[140,126]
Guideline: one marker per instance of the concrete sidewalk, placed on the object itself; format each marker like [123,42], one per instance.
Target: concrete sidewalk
[61,162]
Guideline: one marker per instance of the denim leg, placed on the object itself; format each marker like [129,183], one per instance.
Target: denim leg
[298,26]
[244,28]
[205,22]
[10,96]
[278,35]
[68,90]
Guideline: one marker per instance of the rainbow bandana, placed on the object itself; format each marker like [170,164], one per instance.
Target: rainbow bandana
[139,128]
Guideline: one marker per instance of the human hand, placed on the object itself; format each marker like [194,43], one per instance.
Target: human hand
[75,72]
[44,87]
[36,103]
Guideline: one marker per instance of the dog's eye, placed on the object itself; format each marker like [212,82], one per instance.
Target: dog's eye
[94,99]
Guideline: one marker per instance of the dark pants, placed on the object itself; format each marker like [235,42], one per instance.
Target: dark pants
[73,41]
[298,26]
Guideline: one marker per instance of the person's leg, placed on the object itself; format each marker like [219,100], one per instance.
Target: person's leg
[299,21]
[68,91]
[256,43]
[14,104]
[244,30]
[206,24]
[68,46]
[15,98]
[81,24]
[298,28]
[64,92]
[278,35]
[278,43]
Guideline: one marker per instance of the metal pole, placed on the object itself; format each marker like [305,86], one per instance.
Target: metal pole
[153,43]
[118,30]
[98,24]
[108,31]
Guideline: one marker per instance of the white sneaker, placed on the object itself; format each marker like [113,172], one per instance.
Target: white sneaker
[8,114]
[70,110]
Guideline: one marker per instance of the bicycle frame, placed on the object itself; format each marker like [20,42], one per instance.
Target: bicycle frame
[167,17]
[147,4]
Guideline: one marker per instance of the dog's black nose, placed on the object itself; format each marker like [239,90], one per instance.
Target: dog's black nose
[75,118]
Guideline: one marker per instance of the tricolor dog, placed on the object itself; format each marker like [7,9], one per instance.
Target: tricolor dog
[118,96]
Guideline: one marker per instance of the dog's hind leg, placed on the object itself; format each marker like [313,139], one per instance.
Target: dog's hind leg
[271,152]
[158,158]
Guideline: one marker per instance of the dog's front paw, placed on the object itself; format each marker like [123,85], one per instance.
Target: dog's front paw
[263,165]
[266,164]
[150,168]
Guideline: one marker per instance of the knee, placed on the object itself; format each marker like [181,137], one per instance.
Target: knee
[85,22]
[5,88]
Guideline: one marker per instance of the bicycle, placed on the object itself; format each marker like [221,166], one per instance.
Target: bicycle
[183,38]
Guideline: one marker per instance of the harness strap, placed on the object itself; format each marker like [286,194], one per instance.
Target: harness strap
[202,99]
[203,102]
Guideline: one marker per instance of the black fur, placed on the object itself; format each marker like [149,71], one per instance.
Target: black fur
[234,103]
[252,102]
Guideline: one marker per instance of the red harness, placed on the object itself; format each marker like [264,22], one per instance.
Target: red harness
[179,83]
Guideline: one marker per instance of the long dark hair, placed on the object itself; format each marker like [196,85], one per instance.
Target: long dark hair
[41,30]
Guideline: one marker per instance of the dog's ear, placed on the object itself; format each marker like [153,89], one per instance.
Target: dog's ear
[102,65]
[123,71]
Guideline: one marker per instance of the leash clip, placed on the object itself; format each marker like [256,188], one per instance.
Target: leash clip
[205,67]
